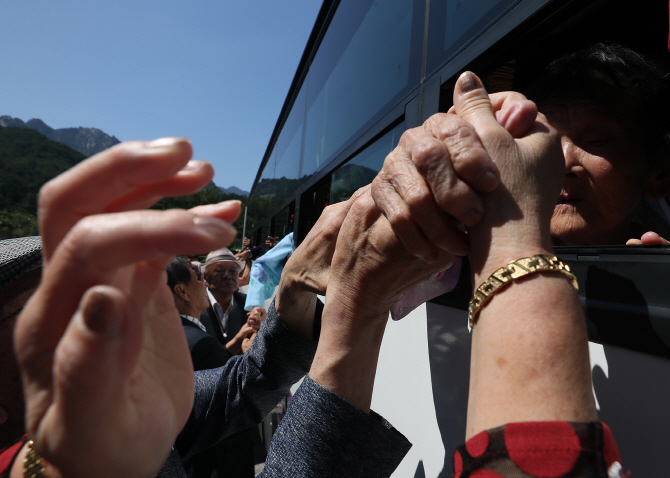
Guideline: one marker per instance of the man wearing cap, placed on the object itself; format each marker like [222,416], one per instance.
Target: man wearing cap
[226,319]
[225,316]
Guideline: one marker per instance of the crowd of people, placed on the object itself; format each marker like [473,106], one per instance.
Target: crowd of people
[109,381]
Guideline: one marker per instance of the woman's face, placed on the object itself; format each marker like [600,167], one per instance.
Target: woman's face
[605,174]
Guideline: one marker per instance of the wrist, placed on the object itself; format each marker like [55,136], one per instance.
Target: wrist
[504,244]
[346,358]
[234,346]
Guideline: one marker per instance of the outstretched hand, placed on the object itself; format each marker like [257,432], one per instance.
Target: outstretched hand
[370,270]
[107,375]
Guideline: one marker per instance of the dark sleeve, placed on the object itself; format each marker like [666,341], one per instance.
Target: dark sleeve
[256,252]
[537,449]
[324,435]
[207,352]
[242,392]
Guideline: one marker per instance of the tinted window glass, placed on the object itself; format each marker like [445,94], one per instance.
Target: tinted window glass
[368,58]
[288,150]
[455,23]
[283,223]
[363,167]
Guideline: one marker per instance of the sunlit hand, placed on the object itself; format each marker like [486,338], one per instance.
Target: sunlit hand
[517,213]
[106,369]
[307,271]
[371,269]
[431,184]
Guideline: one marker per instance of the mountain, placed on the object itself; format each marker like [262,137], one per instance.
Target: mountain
[234,190]
[28,159]
[88,141]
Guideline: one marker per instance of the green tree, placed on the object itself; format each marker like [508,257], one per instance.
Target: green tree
[17,224]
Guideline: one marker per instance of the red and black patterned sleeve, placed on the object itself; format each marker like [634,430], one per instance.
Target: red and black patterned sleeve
[8,455]
[540,449]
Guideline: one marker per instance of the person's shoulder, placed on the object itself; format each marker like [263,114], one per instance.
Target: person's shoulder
[194,333]
[241,295]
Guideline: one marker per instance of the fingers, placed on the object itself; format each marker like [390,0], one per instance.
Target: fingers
[227,211]
[408,204]
[371,264]
[191,179]
[309,265]
[468,157]
[92,253]
[648,239]
[106,178]
[472,104]
[514,112]
[428,184]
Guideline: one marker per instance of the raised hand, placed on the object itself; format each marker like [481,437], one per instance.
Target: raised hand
[307,271]
[107,375]
[516,214]
[431,184]
[371,268]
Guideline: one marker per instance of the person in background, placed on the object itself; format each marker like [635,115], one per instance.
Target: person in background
[190,298]
[225,316]
[244,256]
[254,319]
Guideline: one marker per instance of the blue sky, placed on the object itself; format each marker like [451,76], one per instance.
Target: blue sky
[214,71]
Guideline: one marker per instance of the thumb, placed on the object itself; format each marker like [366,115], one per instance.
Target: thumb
[97,353]
[472,104]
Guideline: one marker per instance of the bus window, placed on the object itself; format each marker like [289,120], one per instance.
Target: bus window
[362,168]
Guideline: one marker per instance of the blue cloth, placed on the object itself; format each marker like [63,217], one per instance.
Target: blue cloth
[266,272]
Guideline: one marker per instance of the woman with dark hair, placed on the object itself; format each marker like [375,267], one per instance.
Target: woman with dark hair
[610,105]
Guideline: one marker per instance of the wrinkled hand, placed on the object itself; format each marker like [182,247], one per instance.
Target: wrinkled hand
[371,269]
[517,213]
[430,185]
[307,271]
[106,370]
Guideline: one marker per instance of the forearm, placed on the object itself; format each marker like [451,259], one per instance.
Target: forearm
[346,358]
[530,357]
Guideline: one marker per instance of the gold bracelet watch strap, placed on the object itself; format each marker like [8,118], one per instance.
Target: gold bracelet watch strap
[34,466]
[515,270]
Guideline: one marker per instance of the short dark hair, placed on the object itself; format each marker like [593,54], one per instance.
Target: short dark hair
[178,272]
[611,74]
